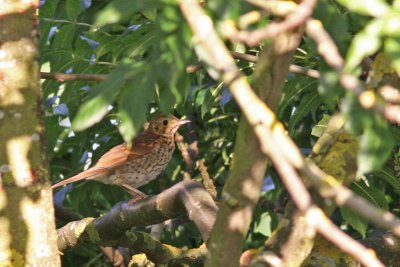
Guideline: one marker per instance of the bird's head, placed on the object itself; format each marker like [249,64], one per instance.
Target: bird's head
[165,125]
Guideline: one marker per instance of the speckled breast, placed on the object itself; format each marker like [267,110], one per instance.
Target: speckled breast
[140,171]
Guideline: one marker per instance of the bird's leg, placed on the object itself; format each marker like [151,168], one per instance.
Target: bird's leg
[136,194]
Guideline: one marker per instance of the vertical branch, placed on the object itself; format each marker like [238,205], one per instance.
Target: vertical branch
[27,228]
[242,189]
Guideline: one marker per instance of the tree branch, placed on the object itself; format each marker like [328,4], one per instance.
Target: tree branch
[292,21]
[63,77]
[109,230]
[268,130]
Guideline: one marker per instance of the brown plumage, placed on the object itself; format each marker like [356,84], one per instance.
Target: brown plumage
[131,168]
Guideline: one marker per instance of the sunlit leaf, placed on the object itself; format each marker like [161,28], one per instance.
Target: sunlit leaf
[365,43]
[264,225]
[392,25]
[392,48]
[119,10]
[375,8]
[320,127]
[133,105]
[94,109]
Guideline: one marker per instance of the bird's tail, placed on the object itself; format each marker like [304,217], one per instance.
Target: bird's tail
[90,173]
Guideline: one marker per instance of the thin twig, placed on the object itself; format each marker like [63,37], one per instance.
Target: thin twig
[67,22]
[249,18]
[331,232]
[390,94]
[276,8]
[292,21]
[189,165]
[207,181]
[252,58]
[62,77]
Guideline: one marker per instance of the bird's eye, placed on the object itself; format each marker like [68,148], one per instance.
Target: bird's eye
[165,122]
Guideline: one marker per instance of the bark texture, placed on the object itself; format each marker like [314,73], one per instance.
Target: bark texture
[28,236]
[242,189]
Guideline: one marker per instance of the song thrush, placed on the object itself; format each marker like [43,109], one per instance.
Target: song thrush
[133,167]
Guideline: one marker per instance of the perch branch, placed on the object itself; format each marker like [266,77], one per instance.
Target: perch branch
[111,229]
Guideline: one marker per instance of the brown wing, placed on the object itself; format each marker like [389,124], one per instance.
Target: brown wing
[116,157]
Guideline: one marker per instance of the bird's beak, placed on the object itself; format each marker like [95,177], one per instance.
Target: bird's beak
[181,122]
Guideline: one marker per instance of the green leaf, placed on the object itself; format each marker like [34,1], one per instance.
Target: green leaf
[375,8]
[370,193]
[308,104]
[293,90]
[388,175]
[320,127]
[133,105]
[73,8]
[365,43]
[392,25]
[375,146]
[120,10]
[356,118]
[329,87]
[94,109]
[150,14]
[354,220]
[264,225]
[225,9]
[392,48]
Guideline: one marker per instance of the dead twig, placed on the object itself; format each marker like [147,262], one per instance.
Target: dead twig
[207,181]
[189,165]
[292,21]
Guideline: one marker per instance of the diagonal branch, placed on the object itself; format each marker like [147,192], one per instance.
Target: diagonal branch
[268,130]
[188,197]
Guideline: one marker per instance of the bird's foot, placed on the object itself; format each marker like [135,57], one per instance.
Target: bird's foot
[136,194]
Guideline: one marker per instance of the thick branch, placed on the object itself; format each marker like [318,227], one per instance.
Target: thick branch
[268,130]
[109,230]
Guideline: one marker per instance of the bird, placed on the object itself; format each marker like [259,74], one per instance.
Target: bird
[131,167]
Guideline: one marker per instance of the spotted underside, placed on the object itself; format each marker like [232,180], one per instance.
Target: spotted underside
[141,170]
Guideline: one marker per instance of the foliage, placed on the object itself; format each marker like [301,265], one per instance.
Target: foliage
[145,47]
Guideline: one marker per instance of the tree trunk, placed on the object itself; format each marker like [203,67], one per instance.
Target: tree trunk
[28,236]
